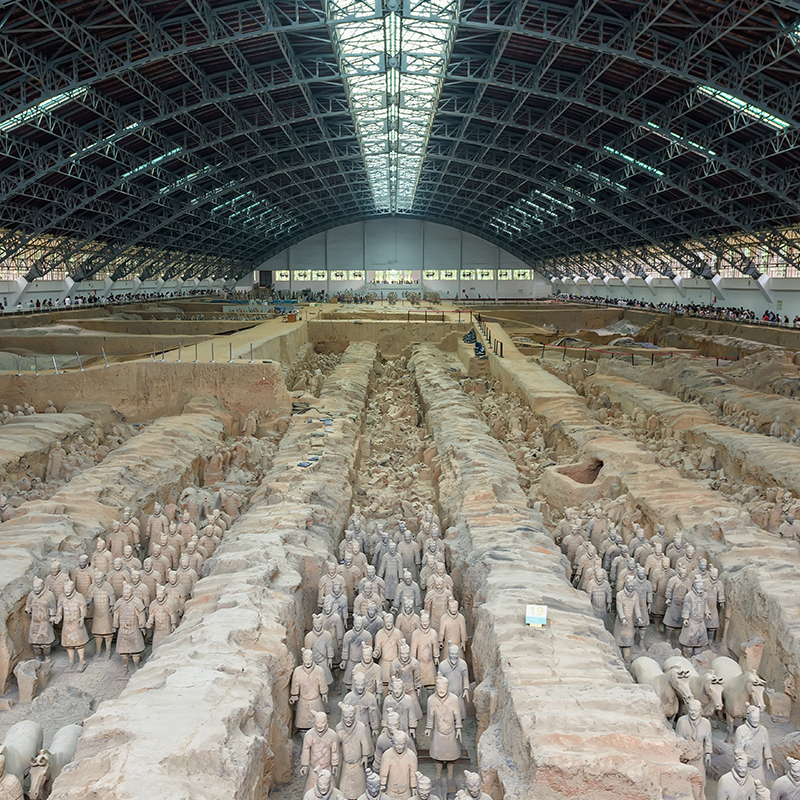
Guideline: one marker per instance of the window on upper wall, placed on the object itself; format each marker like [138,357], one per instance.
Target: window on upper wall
[338,275]
[448,275]
[356,275]
[485,274]
[282,275]
[431,274]
[504,274]
[522,274]
[320,275]
[467,274]
[302,274]
[378,276]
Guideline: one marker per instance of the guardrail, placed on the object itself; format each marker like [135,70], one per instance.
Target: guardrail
[620,355]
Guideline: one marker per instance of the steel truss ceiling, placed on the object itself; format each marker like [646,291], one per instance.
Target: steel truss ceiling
[188,138]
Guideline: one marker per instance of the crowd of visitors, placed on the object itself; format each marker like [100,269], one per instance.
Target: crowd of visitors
[81,301]
[704,311]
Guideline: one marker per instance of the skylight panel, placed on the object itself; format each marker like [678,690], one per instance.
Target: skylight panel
[601,179]
[748,109]
[150,164]
[678,139]
[633,162]
[185,180]
[41,109]
[393,68]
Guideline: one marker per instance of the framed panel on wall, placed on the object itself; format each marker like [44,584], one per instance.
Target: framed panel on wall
[485,274]
[431,274]
[522,274]
[302,274]
[449,275]
[339,275]
[356,274]
[504,274]
[282,275]
[467,274]
[320,275]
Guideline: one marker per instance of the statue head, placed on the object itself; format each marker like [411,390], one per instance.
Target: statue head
[157,550]
[370,572]
[408,606]
[396,688]
[55,567]
[790,518]
[452,654]
[388,621]
[330,566]
[392,548]
[69,588]
[115,526]
[694,708]
[404,652]
[399,742]
[161,593]
[172,577]
[407,536]
[136,578]
[348,559]
[348,714]
[157,509]
[424,786]
[83,561]
[316,622]
[440,570]
[753,714]
[358,623]
[629,584]
[665,563]
[372,610]
[38,585]
[407,576]
[452,607]
[472,783]
[147,564]
[324,781]
[740,763]
[392,722]
[359,683]
[793,770]
[438,584]
[337,588]
[308,657]
[425,620]
[640,573]
[366,652]
[658,547]
[442,687]
[118,564]
[327,605]
[690,551]
[186,517]
[355,547]
[127,591]
[682,570]
[713,573]
[127,551]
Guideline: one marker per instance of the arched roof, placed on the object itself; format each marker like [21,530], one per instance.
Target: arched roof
[199,137]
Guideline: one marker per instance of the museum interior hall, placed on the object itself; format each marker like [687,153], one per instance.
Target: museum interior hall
[399,400]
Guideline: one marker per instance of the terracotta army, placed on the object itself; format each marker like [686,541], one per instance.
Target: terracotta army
[161,617]
[409,552]
[332,622]
[41,606]
[373,621]
[338,597]
[472,788]
[373,790]
[453,627]
[644,590]
[629,615]
[599,591]
[176,594]
[407,620]
[187,577]
[408,589]
[150,577]
[789,529]
[365,704]
[404,705]
[365,597]
[399,769]
[157,524]
[326,582]
[695,613]
[695,731]
[83,575]
[55,463]
[387,643]
[10,787]
[129,560]
[752,739]
[356,750]
[424,788]
[676,591]
[212,474]
[436,601]
[675,550]
[129,622]
[455,670]
[715,590]
[71,610]
[196,559]
[101,598]
[101,558]
[659,578]
[161,563]
[309,691]
[737,784]
[371,670]
[391,570]
[130,527]
[56,579]
[787,787]
[384,741]
[425,648]
[352,648]
[118,576]
[116,540]
[320,749]
[319,641]
[443,725]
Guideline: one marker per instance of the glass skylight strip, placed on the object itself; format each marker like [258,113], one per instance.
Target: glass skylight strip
[596,176]
[45,107]
[185,181]
[737,104]
[150,164]
[633,162]
[554,200]
[678,139]
[393,70]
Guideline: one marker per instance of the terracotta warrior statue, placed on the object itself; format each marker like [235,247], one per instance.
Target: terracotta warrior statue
[737,784]
[399,769]
[443,725]
[41,607]
[373,791]
[628,616]
[309,691]
[787,787]
[425,648]
[402,704]
[71,610]
[101,598]
[319,641]
[752,739]
[10,787]
[161,616]
[356,750]
[387,643]
[424,788]
[370,669]
[694,635]
[320,750]
[453,627]
[472,788]
[129,622]
[365,704]
[695,731]
[352,648]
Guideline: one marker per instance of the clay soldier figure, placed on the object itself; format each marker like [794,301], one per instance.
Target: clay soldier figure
[436,601]
[399,769]
[599,591]
[645,591]
[56,579]
[659,579]
[371,670]
[176,594]
[675,550]
[373,621]
[789,529]
[309,690]
[71,609]
[407,621]
[83,575]
[373,791]
[117,540]
[787,787]
[424,788]
[332,622]
[118,576]
[695,730]
[406,668]
[55,463]
[444,727]
[320,749]
[338,597]
[387,643]
[737,784]
[212,474]
[391,570]
[10,787]
[129,560]
[365,704]
[691,559]
[319,641]
[323,788]
[404,705]
[455,670]
[326,582]
[408,589]
[752,739]
[715,590]
[196,559]
[677,589]
[101,558]
[129,622]
[101,599]
[694,636]
[175,540]
[366,596]
[50,409]
[186,528]
[381,548]
[384,741]
[351,576]
[161,563]
[41,606]
[356,750]
[187,577]
[453,627]
[472,788]
[352,648]
[628,616]
[157,524]
[150,577]
[409,551]
[161,617]
[425,648]
[130,527]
